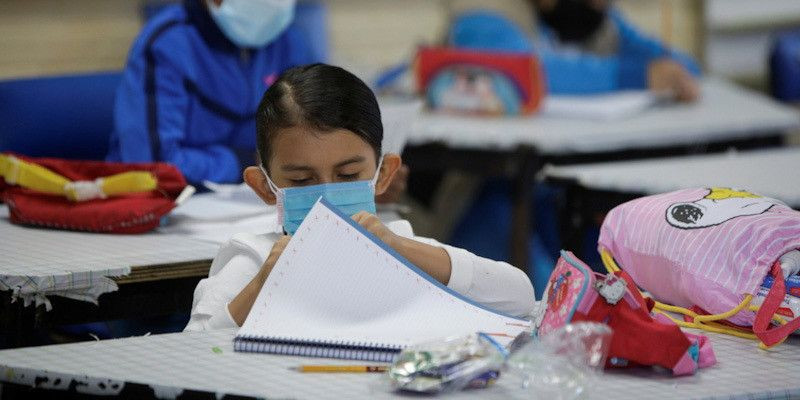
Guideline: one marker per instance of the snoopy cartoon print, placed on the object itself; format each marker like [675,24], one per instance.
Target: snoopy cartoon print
[718,206]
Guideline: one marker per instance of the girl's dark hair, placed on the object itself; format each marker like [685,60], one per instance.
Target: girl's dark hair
[320,96]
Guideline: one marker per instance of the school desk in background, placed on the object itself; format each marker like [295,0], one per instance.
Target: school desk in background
[594,189]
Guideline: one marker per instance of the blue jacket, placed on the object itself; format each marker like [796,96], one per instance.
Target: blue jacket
[569,71]
[189,95]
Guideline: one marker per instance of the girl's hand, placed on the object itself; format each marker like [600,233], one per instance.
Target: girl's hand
[371,223]
[272,258]
[240,306]
[431,259]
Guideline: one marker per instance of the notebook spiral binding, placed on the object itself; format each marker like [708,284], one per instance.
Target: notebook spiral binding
[363,351]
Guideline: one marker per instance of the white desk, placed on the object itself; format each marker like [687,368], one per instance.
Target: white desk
[137,275]
[39,262]
[725,112]
[771,172]
[173,363]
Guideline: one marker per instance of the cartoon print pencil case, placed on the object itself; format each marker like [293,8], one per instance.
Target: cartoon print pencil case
[704,253]
[479,82]
[575,293]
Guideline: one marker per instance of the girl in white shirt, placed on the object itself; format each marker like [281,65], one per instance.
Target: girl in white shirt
[319,127]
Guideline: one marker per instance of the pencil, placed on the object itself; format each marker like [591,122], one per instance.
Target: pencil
[342,368]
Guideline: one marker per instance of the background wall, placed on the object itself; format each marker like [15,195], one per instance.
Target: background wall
[45,37]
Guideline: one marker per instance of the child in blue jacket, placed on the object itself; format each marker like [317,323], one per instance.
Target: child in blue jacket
[193,81]
[585,46]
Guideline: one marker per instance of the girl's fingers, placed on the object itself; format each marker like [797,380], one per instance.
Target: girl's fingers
[359,216]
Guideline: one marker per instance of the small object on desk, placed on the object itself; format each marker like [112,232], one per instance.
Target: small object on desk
[341,368]
[472,361]
[186,193]
[612,288]
[561,363]
[216,350]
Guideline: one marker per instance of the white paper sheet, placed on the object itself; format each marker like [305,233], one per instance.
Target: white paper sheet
[600,107]
[221,206]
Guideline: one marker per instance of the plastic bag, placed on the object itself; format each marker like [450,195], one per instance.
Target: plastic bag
[559,365]
[451,364]
[554,366]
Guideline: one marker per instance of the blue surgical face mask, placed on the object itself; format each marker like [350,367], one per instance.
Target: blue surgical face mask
[293,203]
[252,23]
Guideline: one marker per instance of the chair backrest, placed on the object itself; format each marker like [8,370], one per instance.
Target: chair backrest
[784,65]
[311,16]
[65,116]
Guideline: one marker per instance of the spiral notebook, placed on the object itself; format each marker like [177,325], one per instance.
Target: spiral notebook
[337,291]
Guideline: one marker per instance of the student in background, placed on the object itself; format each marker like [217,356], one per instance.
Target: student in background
[319,127]
[194,78]
[585,46]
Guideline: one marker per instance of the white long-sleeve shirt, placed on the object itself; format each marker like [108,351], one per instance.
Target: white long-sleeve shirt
[495,284]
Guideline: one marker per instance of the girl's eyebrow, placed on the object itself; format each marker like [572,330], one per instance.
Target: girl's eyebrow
[355,159]
[295,167]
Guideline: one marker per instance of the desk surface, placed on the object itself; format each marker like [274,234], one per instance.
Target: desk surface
[725,112]
[772,172]
[172,363]
[40,262]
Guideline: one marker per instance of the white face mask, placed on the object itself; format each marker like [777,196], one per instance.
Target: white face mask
[252,23]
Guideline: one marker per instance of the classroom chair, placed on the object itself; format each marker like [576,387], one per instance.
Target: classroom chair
[68,116]
[311,16]
[784,66]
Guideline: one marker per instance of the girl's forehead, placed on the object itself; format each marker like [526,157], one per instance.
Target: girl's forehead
[308,146]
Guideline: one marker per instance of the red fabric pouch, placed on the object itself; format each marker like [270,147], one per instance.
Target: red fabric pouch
[575,293]
[131,213]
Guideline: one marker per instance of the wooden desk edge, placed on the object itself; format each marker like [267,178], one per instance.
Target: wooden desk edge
[147,273]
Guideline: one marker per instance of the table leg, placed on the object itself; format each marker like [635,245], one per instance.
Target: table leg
[572,219]
[18,322]
[25,326]
[529,163]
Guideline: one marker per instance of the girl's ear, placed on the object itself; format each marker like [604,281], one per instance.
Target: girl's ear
[258,182]
[391,163]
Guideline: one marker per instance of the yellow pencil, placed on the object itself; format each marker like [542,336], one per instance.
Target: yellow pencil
[342,368]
